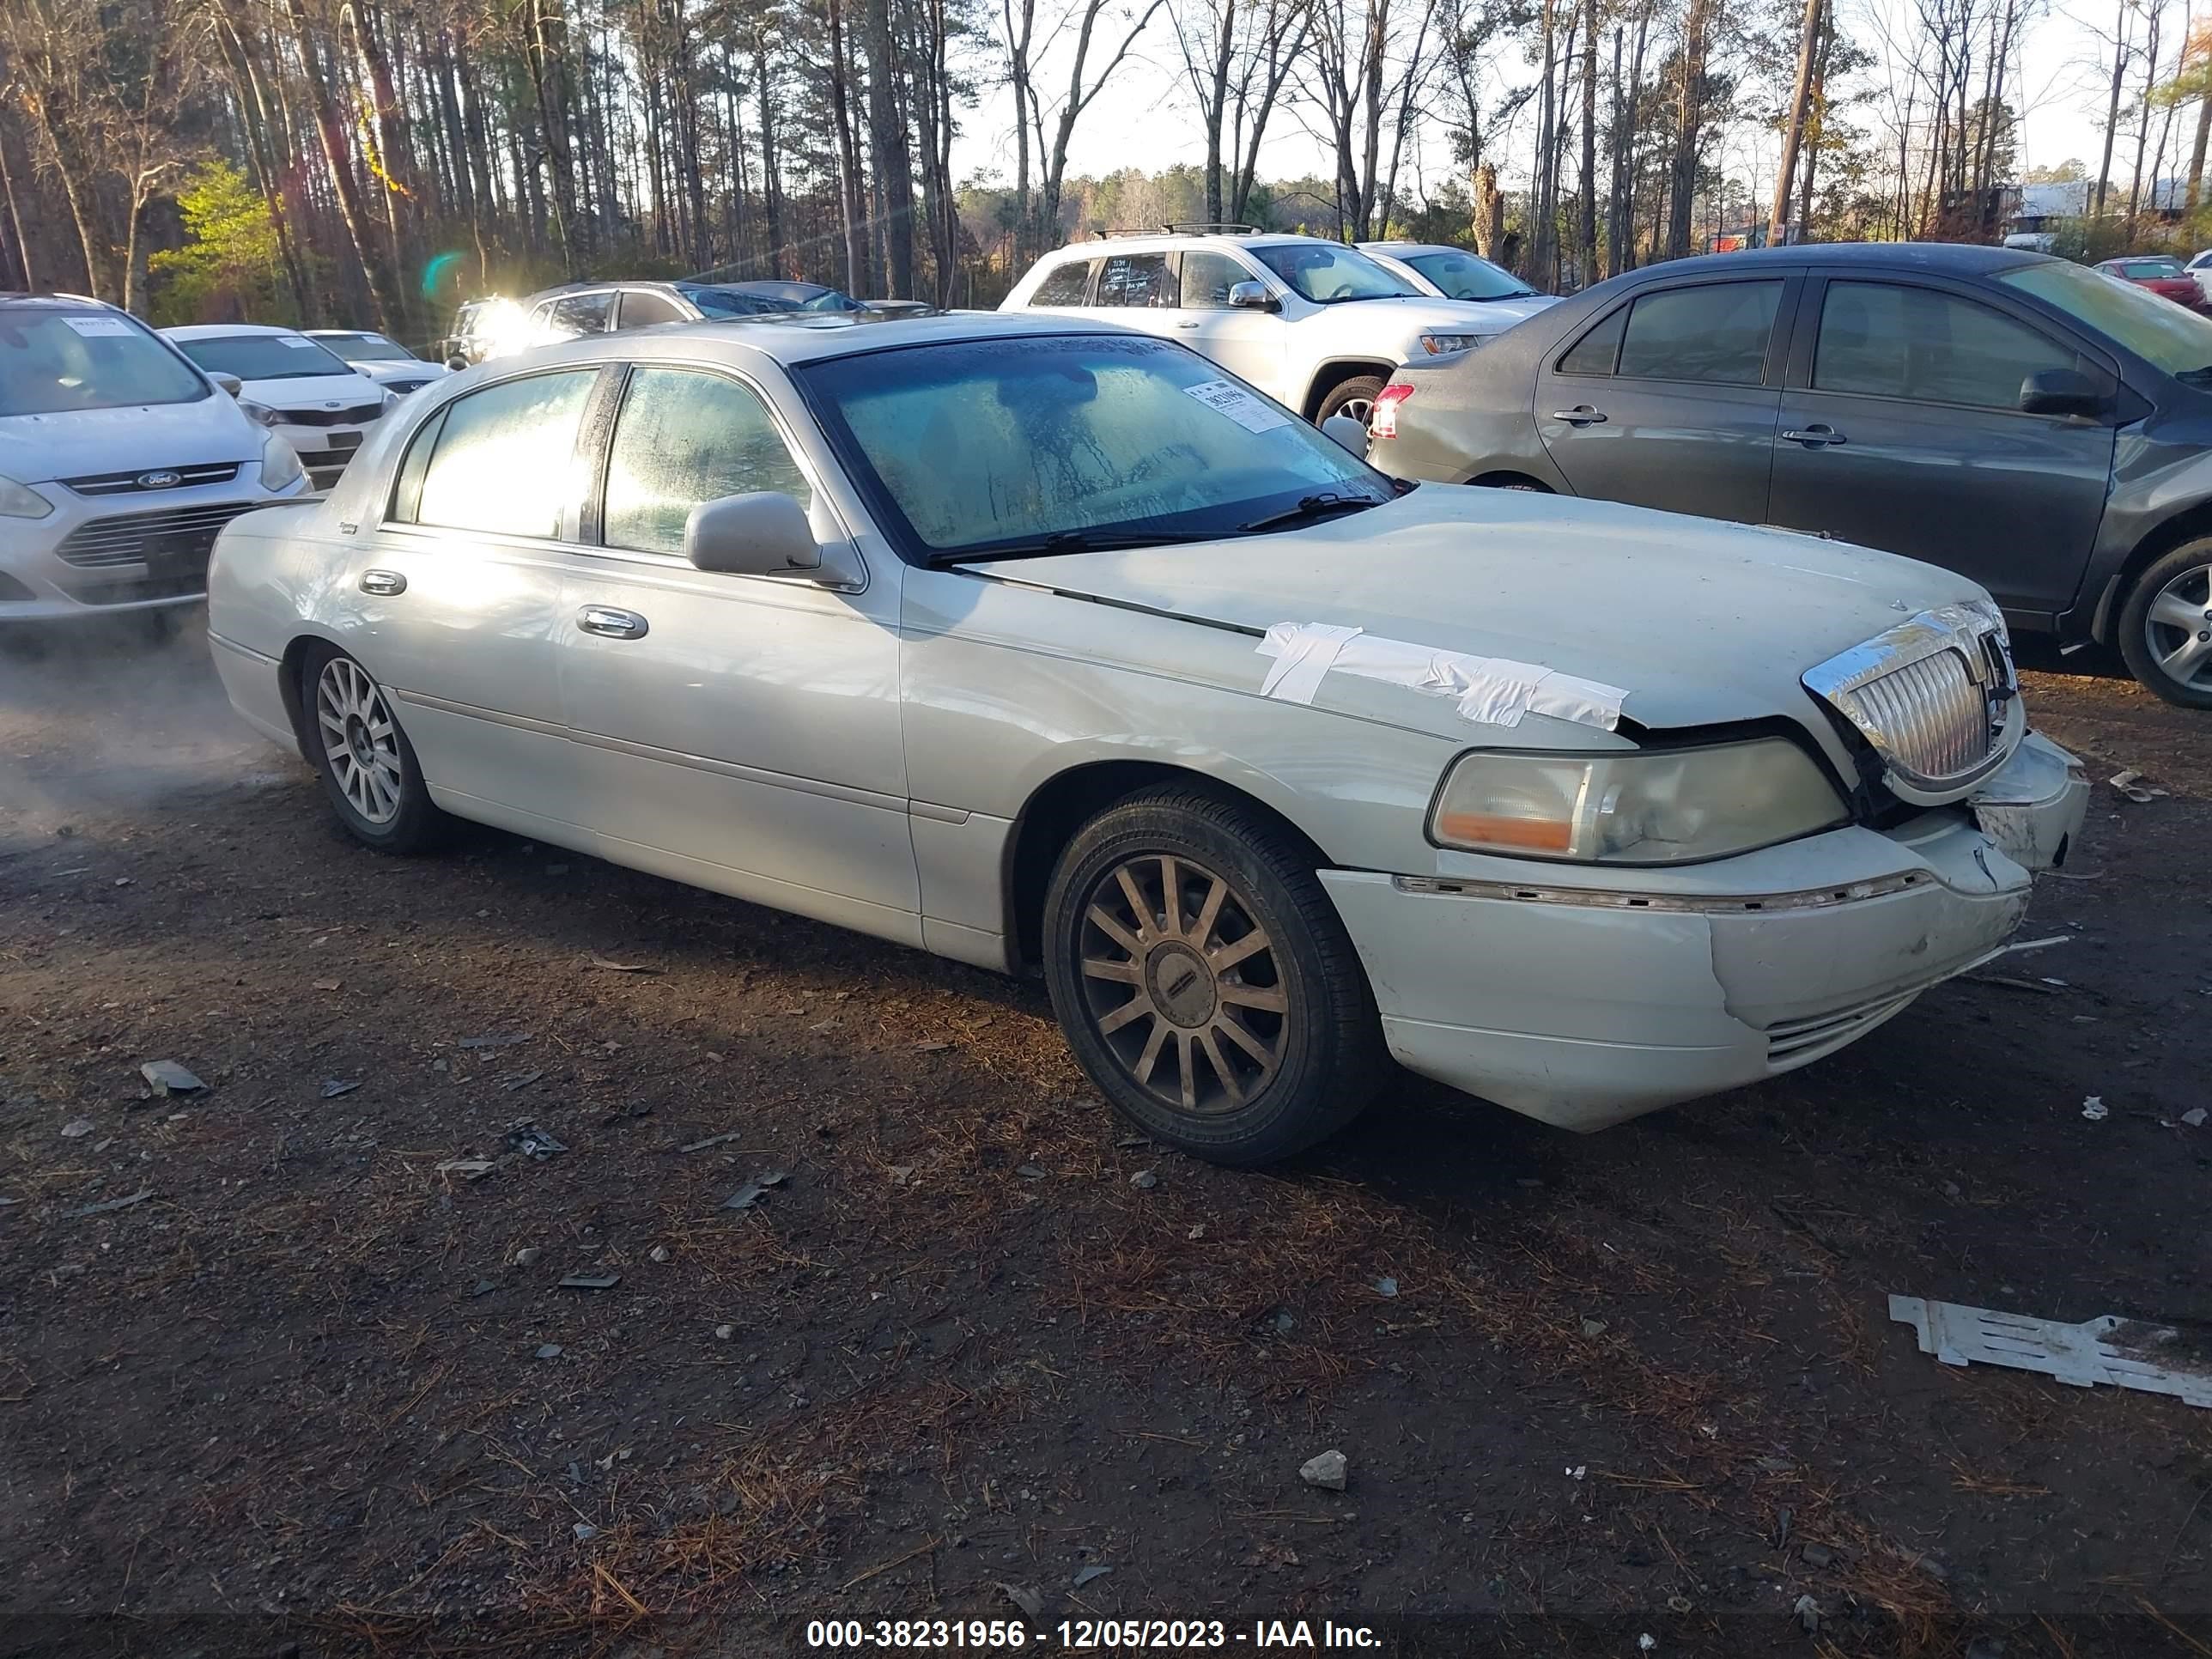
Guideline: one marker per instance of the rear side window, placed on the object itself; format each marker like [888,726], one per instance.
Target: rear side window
[1065,284]
[1595,353]
[642,309]
[494,461]
[1885,341]
[1716,333]
[683,438]
[1137,279]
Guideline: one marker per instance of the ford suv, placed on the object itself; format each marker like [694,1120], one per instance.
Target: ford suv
[1316,325]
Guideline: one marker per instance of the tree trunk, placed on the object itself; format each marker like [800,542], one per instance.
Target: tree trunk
[2111,115]
[848,151]
[1793,134]
[383,282]
[1586,251]
[771,178]
[1690,113]
[1489,213]
[2196,153]
[889,157]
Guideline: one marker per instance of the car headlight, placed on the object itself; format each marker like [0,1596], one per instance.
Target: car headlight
[260,414]
[1437,344]
[17,502]
[280,463]
[1654,806]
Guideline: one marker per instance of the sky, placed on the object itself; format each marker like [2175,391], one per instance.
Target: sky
[1146,118]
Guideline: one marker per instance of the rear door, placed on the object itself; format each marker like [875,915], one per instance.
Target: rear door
[1671,399]
[1901,429]
[1137,291]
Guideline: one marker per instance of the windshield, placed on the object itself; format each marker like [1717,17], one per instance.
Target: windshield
[51,362]
[366,347]
[1463,276]
[978,446]
[2149,268]
[757,299]
[1328,275]
[2166,336]
[262,356]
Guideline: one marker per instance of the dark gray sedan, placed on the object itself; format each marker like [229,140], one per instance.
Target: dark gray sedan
[2017,418]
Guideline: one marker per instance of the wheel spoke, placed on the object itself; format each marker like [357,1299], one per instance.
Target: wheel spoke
[1122,973]
[1134,1008]
[2183,664]
[1138,906]
[1154,1042]
[1229,955]
[1170,897]
[1208,914]
[1189,1078]
[1225,1021]
[2175,612]
[1115,931]
[1230,1085]
[1269,999]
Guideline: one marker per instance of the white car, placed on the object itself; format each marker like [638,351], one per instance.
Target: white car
[1038,645]
[379,357]
[118,463]
[1316,325]
[2200,267]
[1453,273]
[318,403]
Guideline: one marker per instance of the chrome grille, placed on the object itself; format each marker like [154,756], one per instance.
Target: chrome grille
[1935,696]
[172,538]
[1932,715]
[134,482]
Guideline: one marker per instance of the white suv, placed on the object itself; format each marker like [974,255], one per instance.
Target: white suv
[119,461]
[1315,325]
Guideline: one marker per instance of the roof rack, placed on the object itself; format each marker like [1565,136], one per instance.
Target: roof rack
[1183,229]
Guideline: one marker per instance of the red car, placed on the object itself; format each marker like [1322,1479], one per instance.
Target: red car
[2161,275]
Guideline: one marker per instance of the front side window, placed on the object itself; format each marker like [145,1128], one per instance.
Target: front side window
[1137,279]
[683,438]
[642,308]
[498,457]
[984,446]
[1207,276]
[1065,284]
[1460,275]
[51,362]
[1886,341]
[1716,333]
[1328,274]
[2167,337]
[263,357]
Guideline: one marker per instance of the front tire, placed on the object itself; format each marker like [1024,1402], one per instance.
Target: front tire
[368,766]
[1205,981]
[1355,396]
[2166,626]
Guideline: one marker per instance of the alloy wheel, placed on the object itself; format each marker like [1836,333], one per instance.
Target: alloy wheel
[360,740]
[2178,628]
[1182,983]
[1361,409]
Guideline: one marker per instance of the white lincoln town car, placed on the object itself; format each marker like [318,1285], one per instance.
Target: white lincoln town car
[1045,645]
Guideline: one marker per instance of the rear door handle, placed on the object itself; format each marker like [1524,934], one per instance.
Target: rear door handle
[1819,435]
[610,624]
[1580,414]
[1191,324]
[385,582]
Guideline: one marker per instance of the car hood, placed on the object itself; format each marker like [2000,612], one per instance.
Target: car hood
[38,448]
[385,374]
[1416,312]
[1700,622]
[313,391]
[1503,314]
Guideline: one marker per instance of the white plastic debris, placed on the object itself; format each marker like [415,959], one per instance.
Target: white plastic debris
[2081,1356]
[2129,784]
[1489,690]
[2194,1118]
[2094,1108]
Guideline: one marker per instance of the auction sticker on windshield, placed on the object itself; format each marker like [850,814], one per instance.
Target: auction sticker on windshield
[95,327]
[1227,398]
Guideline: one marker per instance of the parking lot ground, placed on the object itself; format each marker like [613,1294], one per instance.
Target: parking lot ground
[313,1387]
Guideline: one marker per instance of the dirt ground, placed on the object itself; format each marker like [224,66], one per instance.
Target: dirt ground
[275,1376]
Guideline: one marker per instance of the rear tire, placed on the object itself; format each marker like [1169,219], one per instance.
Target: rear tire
[1354,396]
[2165,625]
[1227,1013]
[368,766]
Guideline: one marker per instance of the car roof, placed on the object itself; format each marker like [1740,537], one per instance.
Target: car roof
[1954,259]
[225,331]
[345,334]
[1153,241]
[1418,248]
[53,301]
[800,336]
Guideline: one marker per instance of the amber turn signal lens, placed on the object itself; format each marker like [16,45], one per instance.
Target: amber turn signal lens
[1483,829]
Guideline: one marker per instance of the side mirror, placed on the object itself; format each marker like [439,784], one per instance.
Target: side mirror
[1347,432]
[1252,296]
[2062,391]
[229,383]
[764,533]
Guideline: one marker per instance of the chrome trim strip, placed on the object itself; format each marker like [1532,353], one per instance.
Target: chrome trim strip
[1814,898]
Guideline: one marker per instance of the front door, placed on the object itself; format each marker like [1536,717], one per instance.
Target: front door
[1670,400]
[1903,432]
[1249,343]
[741,732]
[458,592]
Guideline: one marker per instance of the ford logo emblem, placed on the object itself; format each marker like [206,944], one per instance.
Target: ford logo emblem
[159,480]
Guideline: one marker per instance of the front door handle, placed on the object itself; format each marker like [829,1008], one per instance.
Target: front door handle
[610,624]
[1819,435]
[383,582]
[1190,325]
[1580,414]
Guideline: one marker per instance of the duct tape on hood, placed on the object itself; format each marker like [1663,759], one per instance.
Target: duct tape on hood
[1488,691]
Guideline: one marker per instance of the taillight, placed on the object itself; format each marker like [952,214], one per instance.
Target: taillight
[1383,422]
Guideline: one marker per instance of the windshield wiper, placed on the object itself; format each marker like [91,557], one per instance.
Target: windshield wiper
[1078,541]
[1311,509]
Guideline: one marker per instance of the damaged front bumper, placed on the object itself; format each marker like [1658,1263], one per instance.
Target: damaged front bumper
[1585,1004]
